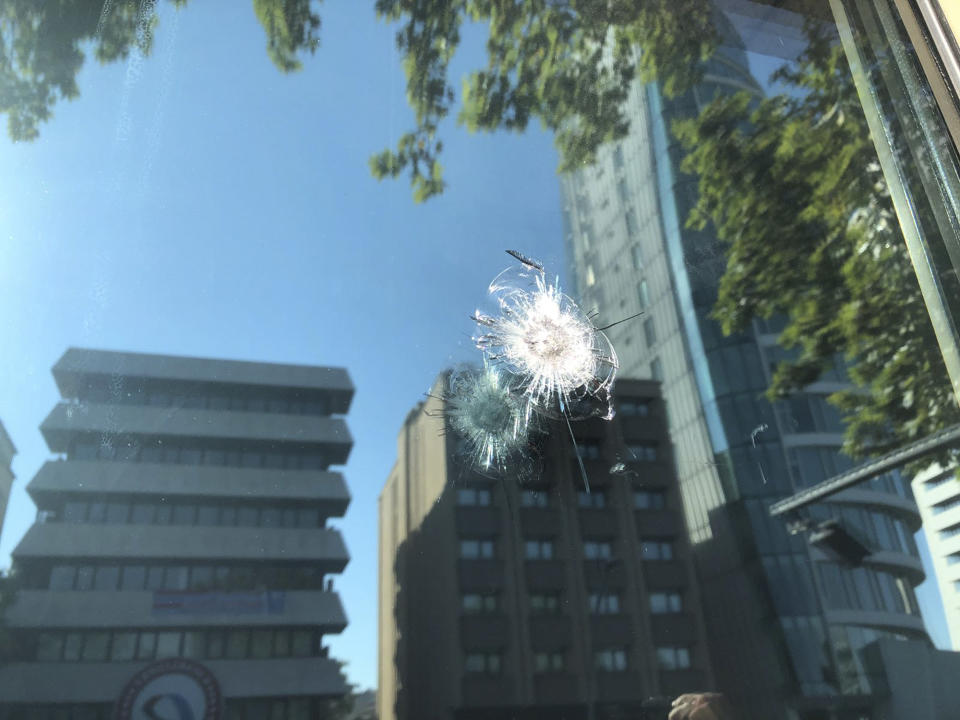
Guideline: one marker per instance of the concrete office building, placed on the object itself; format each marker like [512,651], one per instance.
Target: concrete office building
[785,623]
[937,491]
[7,451]
[499,600]
[182,542]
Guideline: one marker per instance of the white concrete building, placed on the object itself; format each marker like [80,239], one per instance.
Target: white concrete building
[937,491]
[181,550]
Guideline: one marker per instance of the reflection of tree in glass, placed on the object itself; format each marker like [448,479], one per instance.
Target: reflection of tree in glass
[568,64]
[42,47]
[793,187]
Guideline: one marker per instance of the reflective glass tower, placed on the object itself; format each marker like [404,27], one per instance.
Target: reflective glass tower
[785,622]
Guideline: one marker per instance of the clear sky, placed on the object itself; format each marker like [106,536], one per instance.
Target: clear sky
[202,203]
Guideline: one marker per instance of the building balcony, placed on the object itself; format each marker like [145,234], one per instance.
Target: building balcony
[92,610]
[556,688]
[906,509]
[480,575]
[477,521]
[322,546]
[598,523]
[484,632]
[619,687]
[604,574]
[80,369]
[664,575]
[327,435]
[539,522]
[324,490]
[897,563]
[638,428]
[677,682]
[657,523]
[550,633]
[487,690]
[546,575]
[895,622]
[103,682]
[673,629]
[610,630]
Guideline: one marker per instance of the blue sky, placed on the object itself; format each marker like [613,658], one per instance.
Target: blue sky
[202,203]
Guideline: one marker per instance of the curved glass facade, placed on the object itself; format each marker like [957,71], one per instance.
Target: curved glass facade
[774,604]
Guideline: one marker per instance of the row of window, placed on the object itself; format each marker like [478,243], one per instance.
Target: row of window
[125,646]
[184,513]
[633,407]
[949,532]
[946,505]
[661,603]
[668,657]
[866,589]
[543,549]
[174,453]
[596,499]
[180,577]
[261,403]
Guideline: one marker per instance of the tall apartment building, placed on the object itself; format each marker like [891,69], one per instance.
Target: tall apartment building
[937,491]
[498,600]
[785,622]
[7,451]
[178,565]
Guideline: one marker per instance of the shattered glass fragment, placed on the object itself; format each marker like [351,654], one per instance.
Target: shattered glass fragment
[539,335]
[484,410]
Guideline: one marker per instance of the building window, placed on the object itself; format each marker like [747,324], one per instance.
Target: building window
[545,603]
[588,449]
[610,660]
[473,496]
[538,549]
[622,191]
[950,532]
[548,662]
[591,278]
[633,407]
[656,369]
[618,157]
[649,332]
[673,658]
[597,550]
[477,604]
[594,499]
[663,603]
[656,550]
[630,220]
[643,452]
[475,548]
[644,294]
[534,498]
[649,499]
[604,603]
[489,663]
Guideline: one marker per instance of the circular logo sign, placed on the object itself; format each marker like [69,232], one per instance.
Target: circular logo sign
[173,689]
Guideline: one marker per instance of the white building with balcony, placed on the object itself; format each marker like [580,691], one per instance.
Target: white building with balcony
[937,491]
[181,553]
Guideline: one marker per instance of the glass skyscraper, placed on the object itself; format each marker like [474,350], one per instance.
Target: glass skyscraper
[785,622]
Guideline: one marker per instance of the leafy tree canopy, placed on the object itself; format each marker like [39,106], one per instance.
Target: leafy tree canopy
[792,185]
[568,64]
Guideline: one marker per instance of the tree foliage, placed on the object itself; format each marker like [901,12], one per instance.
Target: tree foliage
[43,46]
[794,190]
[568,64]
[41,52]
